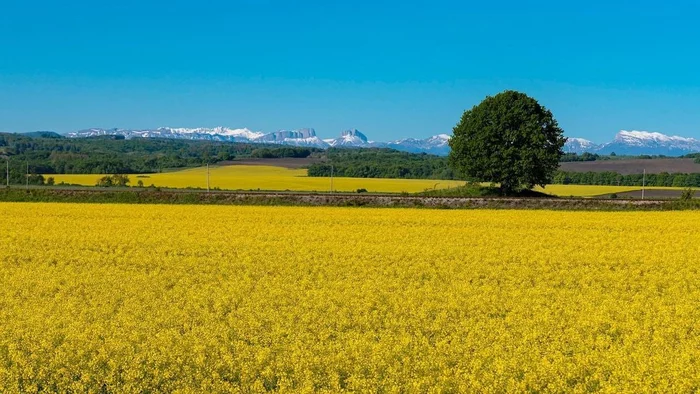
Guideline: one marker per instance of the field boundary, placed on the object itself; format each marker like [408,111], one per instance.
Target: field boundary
[335,199]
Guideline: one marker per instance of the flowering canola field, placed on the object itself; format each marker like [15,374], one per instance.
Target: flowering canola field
[138,298]
[252,177]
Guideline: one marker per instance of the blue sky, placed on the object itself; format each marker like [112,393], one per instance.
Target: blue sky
[391,69]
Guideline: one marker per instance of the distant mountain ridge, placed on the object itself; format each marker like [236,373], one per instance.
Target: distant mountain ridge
[636,142]
[351,138]
[624,143]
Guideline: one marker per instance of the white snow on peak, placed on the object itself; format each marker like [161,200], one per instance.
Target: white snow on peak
[631,135]
[579,145]
[225,131]
[582,142]
[579,140]
[440,139]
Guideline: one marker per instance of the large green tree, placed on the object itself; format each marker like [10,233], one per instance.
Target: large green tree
[508,139]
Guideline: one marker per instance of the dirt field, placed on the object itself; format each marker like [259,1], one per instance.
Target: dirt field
[637,166]
[286,162]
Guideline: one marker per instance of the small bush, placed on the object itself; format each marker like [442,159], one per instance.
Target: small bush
[687,194]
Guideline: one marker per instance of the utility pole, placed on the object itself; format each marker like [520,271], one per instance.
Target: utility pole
[207,177]
[331,178]
[644,181]
[27,175]
[8,172]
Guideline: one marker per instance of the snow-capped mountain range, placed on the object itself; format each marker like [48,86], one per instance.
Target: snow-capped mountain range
[625,142]
[636,143]
[300,137]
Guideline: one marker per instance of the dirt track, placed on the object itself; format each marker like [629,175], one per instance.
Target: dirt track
[318,199]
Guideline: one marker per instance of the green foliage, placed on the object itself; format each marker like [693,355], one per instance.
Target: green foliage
[509,139]
[43,134]
[382,163]
[616,179]
[476,190]
[35,179]
[277,153]
[116,155]
[687,194]
[568,157]
[116,180]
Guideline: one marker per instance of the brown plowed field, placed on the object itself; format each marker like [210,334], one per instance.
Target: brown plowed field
[636,166]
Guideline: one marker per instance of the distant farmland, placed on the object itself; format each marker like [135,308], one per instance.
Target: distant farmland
[636,166]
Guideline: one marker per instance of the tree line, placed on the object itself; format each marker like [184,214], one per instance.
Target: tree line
[616,179]
[381,163]
[389,163]
[49,153]
[569,157]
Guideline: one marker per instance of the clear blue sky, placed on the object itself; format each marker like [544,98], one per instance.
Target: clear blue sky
[391,69]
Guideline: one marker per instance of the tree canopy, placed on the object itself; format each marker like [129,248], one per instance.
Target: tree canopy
[509,139]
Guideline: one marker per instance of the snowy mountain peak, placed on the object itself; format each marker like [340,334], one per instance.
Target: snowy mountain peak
[436,145]
[579,145]
[351,134]
[581,141]
[440,139]
[640,137]
[222,131]
[634,142]
[350,138]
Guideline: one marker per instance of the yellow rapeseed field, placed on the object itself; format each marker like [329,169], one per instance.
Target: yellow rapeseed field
[139,298]
[252,177]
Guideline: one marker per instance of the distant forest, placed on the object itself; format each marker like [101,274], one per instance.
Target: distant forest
[387,163]
[49,153]
[613,178]
[382,163]
[569,157]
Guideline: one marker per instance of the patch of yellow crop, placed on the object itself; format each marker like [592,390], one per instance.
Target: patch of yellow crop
[584,190]
[593,190]
[139,298]
[247,177]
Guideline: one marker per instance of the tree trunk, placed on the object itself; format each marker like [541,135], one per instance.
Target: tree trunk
[507,188]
